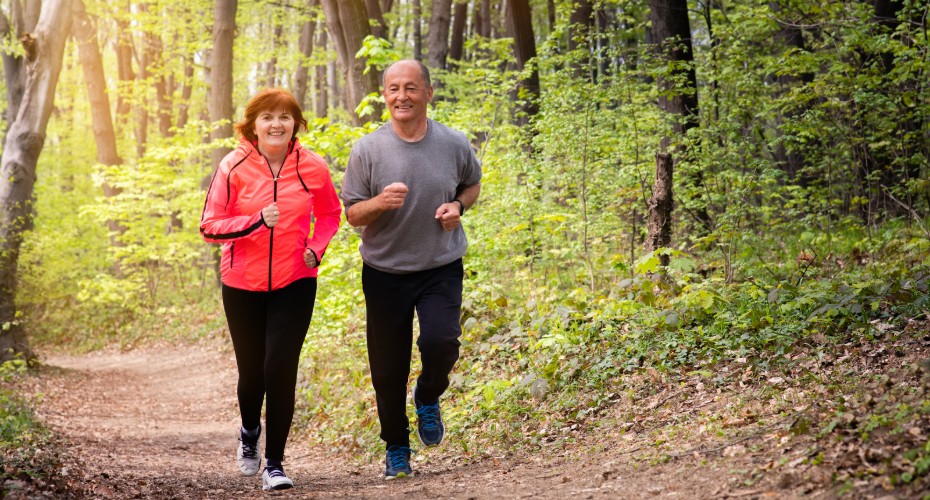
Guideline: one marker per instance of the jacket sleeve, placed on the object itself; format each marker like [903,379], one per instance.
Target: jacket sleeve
[327,212]
[220,221]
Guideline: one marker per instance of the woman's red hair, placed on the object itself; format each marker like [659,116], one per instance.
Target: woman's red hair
[270,100]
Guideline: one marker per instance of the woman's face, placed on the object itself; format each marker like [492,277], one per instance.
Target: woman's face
[274,129]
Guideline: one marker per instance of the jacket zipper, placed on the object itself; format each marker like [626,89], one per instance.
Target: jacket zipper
[232,254]
[271,239]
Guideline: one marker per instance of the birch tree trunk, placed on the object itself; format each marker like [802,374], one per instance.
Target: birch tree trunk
[44,50]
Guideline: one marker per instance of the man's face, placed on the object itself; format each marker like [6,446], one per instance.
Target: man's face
[406,93]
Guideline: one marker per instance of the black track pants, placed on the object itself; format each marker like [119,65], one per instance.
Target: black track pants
[391,299]
[268,330]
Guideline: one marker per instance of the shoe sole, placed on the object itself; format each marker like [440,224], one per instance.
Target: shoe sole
[268,487]
[247,473]
[402,475]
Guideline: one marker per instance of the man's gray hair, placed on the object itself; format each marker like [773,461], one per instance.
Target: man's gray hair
[424,71]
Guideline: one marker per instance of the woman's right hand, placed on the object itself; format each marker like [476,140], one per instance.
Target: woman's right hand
[270,215]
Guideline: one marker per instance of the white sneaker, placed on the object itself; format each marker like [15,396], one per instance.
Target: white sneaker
[273,478]
[248,455]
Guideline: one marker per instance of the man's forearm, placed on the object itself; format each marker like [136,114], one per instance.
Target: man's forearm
[469,195]
[364,213]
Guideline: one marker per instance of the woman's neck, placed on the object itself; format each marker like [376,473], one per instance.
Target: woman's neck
[275,159]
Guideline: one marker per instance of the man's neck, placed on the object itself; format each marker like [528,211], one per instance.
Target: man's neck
[410,131]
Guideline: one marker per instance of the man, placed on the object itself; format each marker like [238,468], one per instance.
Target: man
[408,183]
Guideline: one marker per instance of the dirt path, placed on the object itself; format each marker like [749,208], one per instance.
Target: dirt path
[160,422]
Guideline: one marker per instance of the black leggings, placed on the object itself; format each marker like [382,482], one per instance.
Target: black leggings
[268,330]
[391,299]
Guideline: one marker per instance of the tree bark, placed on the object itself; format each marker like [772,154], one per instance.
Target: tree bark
[44,49]
[671,33]
[459,23]
[322,83]
[520,17]
[483,18]
[348,23]
[379,27]
[581,23]
[659,218]
[417,30]
[438,39]
[302,72]
[14,71]
[221,75]
[125,73]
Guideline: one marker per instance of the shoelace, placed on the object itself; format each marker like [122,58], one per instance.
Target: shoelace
[249,450]
[275,472]
[429,416]
[397,456]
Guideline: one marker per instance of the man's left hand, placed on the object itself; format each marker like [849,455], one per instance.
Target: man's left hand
[448,215]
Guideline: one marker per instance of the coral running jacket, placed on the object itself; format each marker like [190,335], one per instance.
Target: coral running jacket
[256,257]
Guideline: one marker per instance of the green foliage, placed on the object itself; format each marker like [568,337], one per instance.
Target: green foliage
[810,160]
[23,439]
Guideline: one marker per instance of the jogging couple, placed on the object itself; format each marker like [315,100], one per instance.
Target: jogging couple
[407,184]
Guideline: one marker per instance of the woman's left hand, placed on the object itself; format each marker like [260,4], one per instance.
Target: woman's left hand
[310,258]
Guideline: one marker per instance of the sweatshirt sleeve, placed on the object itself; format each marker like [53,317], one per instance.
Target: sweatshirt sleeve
[327,212]
[220,221]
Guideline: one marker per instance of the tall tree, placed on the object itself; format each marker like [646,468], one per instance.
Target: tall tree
[306,50]
[520,18]
[581,24]
[379,27]
[671,33]
[24,21]
[44,50]
[348,24]
[220,102]
[417,30]
[438,39]
[459,23]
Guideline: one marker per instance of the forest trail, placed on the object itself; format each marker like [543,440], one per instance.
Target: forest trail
[160,422]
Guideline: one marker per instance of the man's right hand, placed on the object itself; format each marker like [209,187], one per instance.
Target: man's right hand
[393,196]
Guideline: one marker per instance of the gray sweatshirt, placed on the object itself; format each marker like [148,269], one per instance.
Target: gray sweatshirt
[434,169]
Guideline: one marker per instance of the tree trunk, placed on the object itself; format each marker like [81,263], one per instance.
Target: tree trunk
[221,75]
[14,71]
[322,82]
[302,72]
[438,39]
[459,23]
[125,73]
[378,25]
[581,24]
[659,218]
[85,34]
[348,23]
[44,51]
[386,6]
[520,18]
[483,18]
[671,33]
[186,91]
[417,30]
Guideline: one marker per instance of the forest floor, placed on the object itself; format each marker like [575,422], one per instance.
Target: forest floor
[161,421]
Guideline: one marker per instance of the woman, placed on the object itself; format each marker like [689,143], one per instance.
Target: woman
[261,204]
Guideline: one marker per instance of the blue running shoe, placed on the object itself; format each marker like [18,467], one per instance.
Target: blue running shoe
[397,462]
[430,428]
